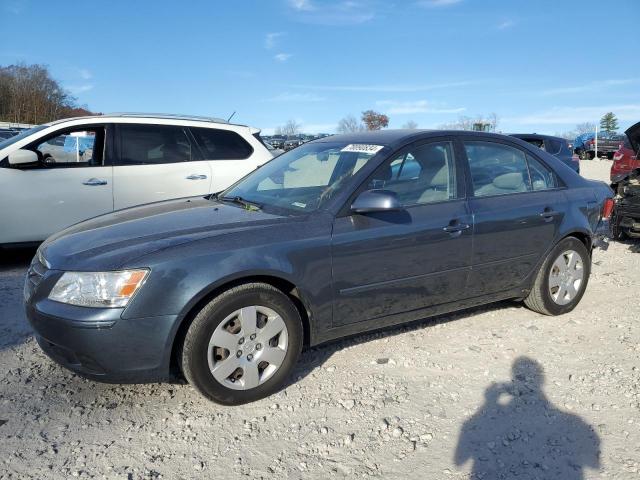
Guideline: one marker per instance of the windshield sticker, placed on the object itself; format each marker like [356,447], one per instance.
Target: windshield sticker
[362,148]
[299,205]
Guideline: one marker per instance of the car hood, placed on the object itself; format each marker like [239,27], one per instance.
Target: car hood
[633,133]
[111,241]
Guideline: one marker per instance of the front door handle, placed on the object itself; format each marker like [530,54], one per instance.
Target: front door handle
[92,182]
[195,176]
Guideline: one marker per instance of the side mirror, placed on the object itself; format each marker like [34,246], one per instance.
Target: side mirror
[371,201]
[21,157]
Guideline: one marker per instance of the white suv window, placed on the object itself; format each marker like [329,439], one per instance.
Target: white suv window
[154,144]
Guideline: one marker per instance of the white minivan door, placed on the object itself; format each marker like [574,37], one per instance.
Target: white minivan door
[157,162]
[72,181]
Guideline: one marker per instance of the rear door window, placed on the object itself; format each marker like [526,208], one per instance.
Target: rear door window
[217,144]
[542,177]
[154,144]
[497,169]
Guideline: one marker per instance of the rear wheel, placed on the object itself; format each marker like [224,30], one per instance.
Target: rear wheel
[243,344]
[562,279]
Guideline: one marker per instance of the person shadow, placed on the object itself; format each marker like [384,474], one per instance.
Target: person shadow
[519,433]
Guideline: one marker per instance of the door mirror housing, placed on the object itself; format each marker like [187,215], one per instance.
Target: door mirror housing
[371,201]
[22,157]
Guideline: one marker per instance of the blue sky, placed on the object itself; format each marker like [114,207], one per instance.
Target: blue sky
[541,66]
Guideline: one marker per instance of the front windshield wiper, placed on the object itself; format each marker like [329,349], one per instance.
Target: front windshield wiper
[246,204]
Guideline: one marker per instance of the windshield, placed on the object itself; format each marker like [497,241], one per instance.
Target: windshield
[304,179]
[20,136]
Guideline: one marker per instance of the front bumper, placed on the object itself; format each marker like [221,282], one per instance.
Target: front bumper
[96,342]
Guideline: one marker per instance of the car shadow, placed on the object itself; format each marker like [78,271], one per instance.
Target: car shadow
[518,433]
[14,328]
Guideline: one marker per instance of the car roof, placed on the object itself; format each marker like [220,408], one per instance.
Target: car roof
[537,136]
[396,137]
[148,116]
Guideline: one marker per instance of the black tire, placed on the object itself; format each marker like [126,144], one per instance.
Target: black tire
[194,359]
[591,155]
[539,299]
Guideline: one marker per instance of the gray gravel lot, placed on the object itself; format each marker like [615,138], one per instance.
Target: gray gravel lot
[493,392]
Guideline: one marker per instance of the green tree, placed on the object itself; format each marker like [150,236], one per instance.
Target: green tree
[609,123]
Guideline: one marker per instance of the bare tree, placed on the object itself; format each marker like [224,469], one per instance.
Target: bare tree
[290,128]
[28,94]
[586,127]
[350,124]
[374,120]
[410,125]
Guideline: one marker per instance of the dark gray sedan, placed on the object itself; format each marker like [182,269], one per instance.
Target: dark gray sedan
[339,236]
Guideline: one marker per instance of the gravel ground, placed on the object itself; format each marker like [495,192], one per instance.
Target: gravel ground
[493,392]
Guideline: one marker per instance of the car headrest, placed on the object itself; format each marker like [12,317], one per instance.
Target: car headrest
[509,181]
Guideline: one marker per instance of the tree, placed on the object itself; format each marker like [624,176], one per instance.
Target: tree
[349,124]
[28,94]
[585,127]
[374,120]
[481,122]
[410,125]
[609,123]
[289,129]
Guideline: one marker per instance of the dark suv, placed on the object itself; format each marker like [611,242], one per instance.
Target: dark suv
[556,146]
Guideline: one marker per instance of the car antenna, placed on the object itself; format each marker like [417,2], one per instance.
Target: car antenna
[229,119]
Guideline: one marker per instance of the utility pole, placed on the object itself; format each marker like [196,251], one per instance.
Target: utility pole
[596,143]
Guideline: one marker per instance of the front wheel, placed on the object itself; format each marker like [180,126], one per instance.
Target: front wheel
[243,344]
[562,279]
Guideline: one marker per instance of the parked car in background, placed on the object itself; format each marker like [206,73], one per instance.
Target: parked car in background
[327,240]
[608,144]
[274,151]
[556,146]
[292,143]
[277,142]
[58,174]
[624,160]
[625,221]
[8,133]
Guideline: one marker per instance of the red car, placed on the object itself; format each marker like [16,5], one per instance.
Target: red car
[624,160]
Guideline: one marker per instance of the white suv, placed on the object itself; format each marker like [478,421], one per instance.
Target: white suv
[61,173]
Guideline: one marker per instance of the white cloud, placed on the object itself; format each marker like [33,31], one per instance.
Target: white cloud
[271,39]
[418,106]
[506,24]
[85,74]
[437,3]
[302,5]
[590,87]
[282,57]
[574,115]
[76,89]
[390,88]
[345,12]
[296,97]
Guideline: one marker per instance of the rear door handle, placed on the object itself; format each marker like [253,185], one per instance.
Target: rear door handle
[548,214]
[92,182]
[195,176]
[456,227]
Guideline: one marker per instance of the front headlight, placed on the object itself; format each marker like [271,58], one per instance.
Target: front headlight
[98,289]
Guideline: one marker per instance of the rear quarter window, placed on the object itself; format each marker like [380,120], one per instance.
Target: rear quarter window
[221,144]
